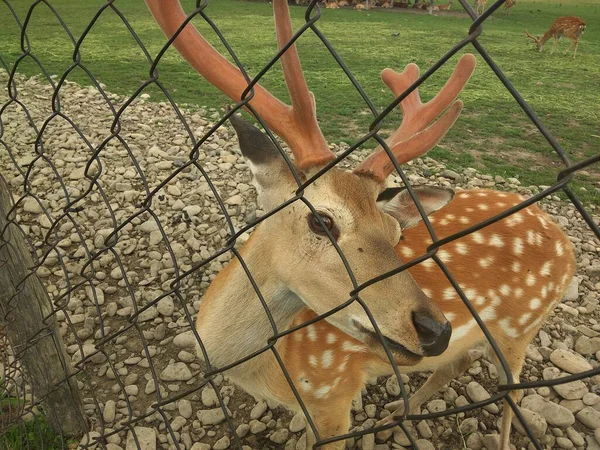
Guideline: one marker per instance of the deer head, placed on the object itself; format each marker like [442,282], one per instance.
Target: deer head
[291,254]
[536,40]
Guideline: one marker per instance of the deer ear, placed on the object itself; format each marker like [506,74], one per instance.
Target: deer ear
[255,145]
[398,203]
[270,173]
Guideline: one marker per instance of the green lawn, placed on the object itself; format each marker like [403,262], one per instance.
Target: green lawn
[492,135]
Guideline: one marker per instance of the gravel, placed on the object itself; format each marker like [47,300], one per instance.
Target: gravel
[563,417]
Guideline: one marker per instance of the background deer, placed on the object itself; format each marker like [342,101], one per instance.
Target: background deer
[514,271]
[571,27]
[508,4]
[481,4]
[446,7]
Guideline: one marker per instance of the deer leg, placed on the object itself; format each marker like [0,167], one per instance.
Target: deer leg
[554,45]
[576,45]
[569,48]
[514,355]
[441,376]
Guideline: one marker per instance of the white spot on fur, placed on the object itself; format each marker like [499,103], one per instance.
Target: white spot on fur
[545,270]
[311,332]
[524,318]
[478,237]
[327,359]
[518,246]
[530,279]
[428,263]
[407,252]
[543,221]
[461,248]
[462,331]
[518,293]
[450,217]
[483,207]
[469,209]
[464,195]
[544,291]
[505,289]
[348,346]
[450,316]
[470,293]
[516,266]
[312,359]
[464,220]
[535,303]
[530,237]
[488,313]
[444,222]
[486,262]
[445,256]
[322,391]
[506,328]
[496,241]
[427,292]
[515,219]
[559,248]
[449,293]
[501,204]
[331,338]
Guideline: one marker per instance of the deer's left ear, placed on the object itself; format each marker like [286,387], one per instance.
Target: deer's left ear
[398,203]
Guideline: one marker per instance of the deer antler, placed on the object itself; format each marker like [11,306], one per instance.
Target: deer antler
[417,135]
[296,125]
[533,38]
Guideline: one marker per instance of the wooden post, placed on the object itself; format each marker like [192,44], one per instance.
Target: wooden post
[23,304]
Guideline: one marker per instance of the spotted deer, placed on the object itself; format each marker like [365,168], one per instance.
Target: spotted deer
[508,4]
[481,4]
[446,7]
[513,271]
[570,27]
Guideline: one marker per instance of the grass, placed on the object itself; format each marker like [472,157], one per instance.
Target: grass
[33,434]
[493,134]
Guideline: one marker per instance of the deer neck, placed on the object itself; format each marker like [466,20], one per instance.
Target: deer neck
[543,39]
[232,321]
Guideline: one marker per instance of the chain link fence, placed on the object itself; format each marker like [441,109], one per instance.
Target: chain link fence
[90,258]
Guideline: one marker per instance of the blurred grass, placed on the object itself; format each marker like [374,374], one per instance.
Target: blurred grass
[493,134]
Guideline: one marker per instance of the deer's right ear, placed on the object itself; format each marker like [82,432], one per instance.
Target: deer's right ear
[269,169]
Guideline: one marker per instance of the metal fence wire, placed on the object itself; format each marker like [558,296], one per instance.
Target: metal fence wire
[17,414]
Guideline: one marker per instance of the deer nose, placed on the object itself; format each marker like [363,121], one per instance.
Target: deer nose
[434,336]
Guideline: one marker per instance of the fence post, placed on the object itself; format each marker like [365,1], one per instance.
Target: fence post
[23,305]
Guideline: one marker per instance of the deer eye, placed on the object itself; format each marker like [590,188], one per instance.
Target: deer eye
[316,227]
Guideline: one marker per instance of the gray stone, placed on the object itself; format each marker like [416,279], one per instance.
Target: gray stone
[553,413]
[109,411]
[297,423]
[146,438]
[280,436]
[535,421]
[259,409]
[477,393]
[222,443]
[177,371]
[211,416]
[569,362]
[589,417]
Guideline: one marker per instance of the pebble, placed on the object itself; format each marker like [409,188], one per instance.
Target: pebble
[146,439]
[553,413]
[177,371]
[569,361]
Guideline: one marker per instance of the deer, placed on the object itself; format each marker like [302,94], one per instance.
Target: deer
[446,7]
[570,26]
[508,4]
[514,271]
[481,4]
